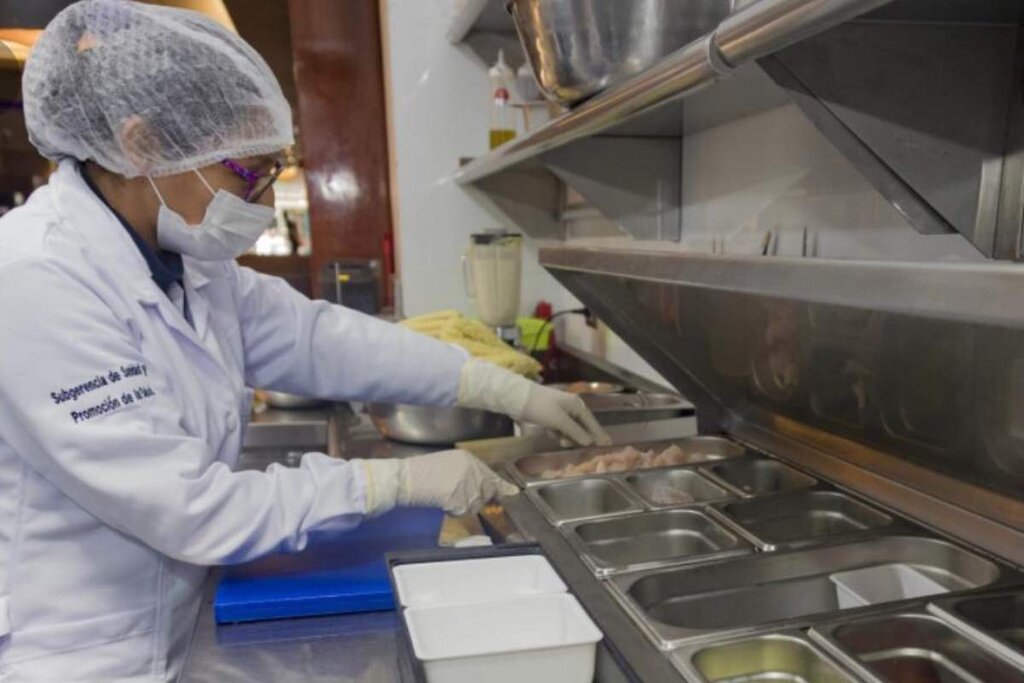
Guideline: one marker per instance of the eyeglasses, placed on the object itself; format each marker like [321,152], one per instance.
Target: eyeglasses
[258,182]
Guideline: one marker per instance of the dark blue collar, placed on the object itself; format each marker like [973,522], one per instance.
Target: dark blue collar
[165,267]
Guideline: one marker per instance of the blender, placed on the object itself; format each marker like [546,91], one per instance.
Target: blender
[491,272]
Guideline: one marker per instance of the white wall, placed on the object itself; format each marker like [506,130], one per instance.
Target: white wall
[439,96]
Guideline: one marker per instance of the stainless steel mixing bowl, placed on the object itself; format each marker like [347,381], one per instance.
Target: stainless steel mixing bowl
[577,48]
[436,425]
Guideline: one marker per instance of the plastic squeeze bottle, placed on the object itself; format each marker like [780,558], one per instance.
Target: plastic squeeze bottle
[503,122]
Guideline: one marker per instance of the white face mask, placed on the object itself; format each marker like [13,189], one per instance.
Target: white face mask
[230,226]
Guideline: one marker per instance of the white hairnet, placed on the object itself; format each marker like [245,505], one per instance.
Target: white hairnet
[202,93]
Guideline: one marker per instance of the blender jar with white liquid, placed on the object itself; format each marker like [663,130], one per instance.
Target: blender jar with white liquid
[492,269]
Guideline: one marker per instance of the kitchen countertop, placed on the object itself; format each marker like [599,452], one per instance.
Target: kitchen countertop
[343,648]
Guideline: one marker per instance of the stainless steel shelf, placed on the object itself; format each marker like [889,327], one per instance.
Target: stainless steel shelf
[759,29]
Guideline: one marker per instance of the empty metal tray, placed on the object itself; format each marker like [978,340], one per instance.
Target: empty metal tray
[531,469]
[898,648]
[805,516]
[759,476]
[567,501]
[996,619]
[784,590]
[776,658]
[638,541]
[674,488]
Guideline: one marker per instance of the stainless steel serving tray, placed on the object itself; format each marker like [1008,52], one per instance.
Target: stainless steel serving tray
[774,656]
[803,518]
[528,470]
[583,499]
[785,590]
[913,646]
[652,539]
[758,476]
[667,488]
[994,619]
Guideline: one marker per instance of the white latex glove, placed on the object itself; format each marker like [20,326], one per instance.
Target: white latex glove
[485,386]
[454,481]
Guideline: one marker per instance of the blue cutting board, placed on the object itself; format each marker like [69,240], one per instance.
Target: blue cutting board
[339,572]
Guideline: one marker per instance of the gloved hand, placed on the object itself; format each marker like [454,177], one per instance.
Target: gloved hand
[488,387]
[454,481]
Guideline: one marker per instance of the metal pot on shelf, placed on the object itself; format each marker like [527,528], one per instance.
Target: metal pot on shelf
[578,48]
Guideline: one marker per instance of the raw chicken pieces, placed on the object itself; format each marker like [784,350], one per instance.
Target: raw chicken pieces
[625,460]
[664,493]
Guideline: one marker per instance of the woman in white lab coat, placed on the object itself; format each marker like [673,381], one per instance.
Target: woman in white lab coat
[129,336]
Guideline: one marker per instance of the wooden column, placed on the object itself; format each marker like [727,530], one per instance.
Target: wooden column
[342,120]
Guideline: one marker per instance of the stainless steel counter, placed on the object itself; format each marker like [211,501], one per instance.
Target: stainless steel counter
[340,649]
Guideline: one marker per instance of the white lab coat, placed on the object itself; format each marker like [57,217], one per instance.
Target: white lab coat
[120,425]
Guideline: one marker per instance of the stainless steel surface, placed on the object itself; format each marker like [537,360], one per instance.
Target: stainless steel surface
[669,488]
[285,401]
[785,590]
[613,409]
[356,648]
[995,619]
[939,138]
[682,73]
[803,517]
[765,26]
[916,396]
[616,409]
[584,388]
[437,425]
[577,49]
[962,510]
[284,436]
[758,476]
[651,539]
[913,647]
[641,403]
[646,662]
[567,501]
[305,430]
[783,657]
[587,364]
[530,469]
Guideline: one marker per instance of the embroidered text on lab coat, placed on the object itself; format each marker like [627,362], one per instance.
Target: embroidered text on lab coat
[111,402]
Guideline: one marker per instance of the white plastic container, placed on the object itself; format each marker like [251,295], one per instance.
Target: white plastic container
[881,584]
[542,639]
[462,582]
